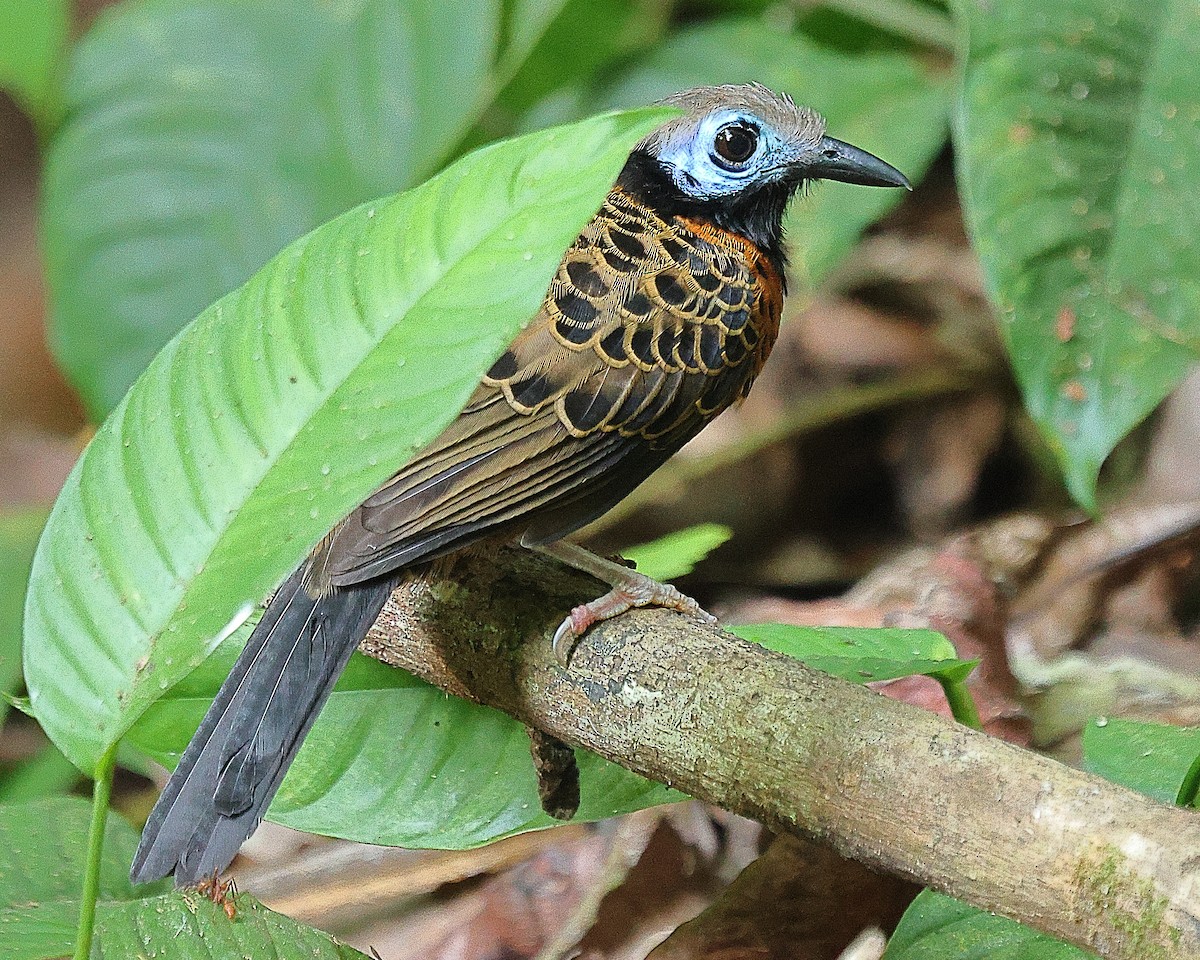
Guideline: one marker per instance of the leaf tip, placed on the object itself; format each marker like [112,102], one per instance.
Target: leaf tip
[1081,475]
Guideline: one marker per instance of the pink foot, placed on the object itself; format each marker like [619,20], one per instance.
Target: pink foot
[636,590]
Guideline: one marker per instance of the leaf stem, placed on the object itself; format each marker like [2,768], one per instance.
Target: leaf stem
[905,18]
[101,792]
[962,704]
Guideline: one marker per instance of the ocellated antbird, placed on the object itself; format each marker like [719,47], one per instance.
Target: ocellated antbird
[660,316]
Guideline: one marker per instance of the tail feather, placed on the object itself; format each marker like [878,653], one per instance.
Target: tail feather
[238,757]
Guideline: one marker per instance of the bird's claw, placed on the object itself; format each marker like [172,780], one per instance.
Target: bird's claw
[565,638]
[637,591]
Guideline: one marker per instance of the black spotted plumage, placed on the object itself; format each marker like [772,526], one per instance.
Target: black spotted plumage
[659,317]
[623,387]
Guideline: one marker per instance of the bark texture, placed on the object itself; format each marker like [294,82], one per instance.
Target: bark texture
[760,734]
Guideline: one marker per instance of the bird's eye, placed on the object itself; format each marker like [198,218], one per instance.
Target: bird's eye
[734,144]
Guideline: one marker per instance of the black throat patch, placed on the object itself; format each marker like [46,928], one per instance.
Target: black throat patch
[753,213]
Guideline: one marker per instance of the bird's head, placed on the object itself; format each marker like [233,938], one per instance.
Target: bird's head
[739,152]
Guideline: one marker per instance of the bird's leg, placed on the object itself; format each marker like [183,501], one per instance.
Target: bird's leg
[629,589]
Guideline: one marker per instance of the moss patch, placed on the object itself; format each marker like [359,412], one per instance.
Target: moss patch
[1106,888]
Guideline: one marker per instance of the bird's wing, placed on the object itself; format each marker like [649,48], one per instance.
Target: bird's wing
[646,333]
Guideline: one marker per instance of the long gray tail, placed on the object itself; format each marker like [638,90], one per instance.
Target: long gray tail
[249,737]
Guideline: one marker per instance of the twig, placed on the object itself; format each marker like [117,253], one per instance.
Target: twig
[904,18]
[762,735]
[805,416]
[344,890]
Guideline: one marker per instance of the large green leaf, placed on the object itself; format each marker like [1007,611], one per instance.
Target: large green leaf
[281,407]
[43,845]
[393,760]
[1078,141]
[204,135]
[32,42]
[889,103]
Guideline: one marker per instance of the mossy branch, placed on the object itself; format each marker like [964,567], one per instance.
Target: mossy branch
[760,734]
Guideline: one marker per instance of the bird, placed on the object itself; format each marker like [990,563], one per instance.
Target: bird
[660,315]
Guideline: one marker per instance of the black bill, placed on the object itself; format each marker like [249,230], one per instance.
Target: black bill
[835,160]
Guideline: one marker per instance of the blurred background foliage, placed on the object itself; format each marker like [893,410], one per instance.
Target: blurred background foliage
[154,154]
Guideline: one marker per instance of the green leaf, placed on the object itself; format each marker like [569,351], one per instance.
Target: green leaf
[19,534]
[281,407]
[47,773]
[585,39]
[527,22]
[677,554]
[47,864]
[181,926]
[1152,758]
[188,926]
[937,927]
[43,844]
[32,43]
[889,103]
[1078,145]
[393,760]
[863,655]
[202,136]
